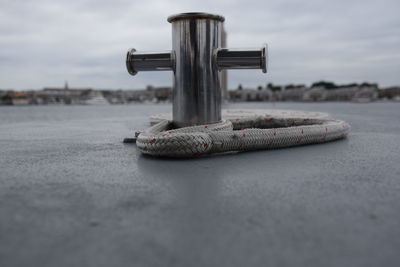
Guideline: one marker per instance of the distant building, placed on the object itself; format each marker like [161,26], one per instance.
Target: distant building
[65,95]
[353,93]
[247,94]
[320,91]
[150,94]
[390,93]
[20,98]
[161,93]
[315,94]
[293,93]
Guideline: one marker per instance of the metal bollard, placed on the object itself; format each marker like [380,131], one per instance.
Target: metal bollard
[196,59]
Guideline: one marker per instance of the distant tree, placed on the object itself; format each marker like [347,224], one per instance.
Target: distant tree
[274,88]
[240,87]
[6,99]
[366,84]
[324,84]
[259,88]
[290,86]
[349,85]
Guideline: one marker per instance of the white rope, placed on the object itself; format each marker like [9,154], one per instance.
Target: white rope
[240,130]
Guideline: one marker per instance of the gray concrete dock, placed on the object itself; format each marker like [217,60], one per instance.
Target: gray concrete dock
[72,194]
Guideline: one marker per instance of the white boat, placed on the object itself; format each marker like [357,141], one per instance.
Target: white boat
[97,100]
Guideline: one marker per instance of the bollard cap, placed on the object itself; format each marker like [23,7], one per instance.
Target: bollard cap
[129,66]
[195,15]
[264,58]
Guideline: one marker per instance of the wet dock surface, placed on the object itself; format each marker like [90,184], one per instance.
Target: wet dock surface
[72,194]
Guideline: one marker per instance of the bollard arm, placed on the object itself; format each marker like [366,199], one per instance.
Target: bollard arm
[149,61]
[242,58]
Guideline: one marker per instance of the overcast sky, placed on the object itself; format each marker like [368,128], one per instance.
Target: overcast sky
[46,42]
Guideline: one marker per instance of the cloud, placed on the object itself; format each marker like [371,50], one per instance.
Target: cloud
[46,42]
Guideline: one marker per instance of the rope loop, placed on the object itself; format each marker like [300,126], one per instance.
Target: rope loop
[240,130]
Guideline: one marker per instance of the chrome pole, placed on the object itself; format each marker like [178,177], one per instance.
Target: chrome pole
[151,61]
[196,59]
[197,93]
[243,59]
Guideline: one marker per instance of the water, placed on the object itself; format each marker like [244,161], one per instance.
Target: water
[133,115]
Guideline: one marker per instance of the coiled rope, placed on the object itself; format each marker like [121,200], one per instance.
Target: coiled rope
[240,130]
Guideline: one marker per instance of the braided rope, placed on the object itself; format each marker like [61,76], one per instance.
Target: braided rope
[240,130]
